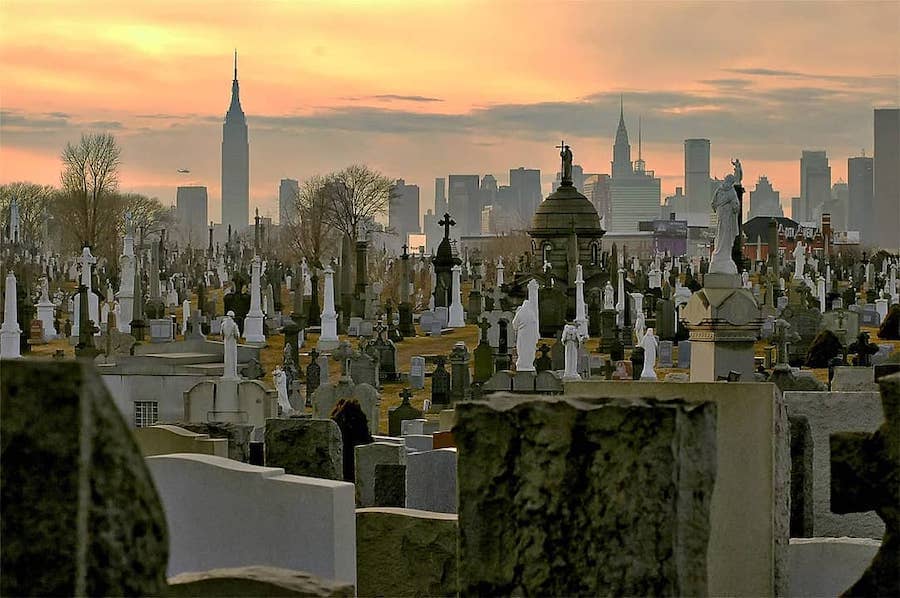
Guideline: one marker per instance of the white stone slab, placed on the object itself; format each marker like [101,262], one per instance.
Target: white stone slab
[827,566]
[224,513]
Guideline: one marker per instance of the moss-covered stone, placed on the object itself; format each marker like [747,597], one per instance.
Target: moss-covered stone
[558,497]
[80,512]
[405,552]
[250,582]
[310,447]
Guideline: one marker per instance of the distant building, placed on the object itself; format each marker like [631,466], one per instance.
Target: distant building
[440,196]
[191,204]
[815,184]
[403,210]
[465,204]
[634,191]
[887,180]
[837,205]
[287,200]
[860,196]
[235,162]
[796,209]
[525,189]
[764,200]
[433,232]
[669,235]
[697,186]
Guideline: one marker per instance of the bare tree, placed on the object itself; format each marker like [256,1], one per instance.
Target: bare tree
[311,235]
[355,197]
[34,207]
[88,202]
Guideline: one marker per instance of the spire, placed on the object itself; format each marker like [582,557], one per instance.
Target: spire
[621,105]
[621,164]
[639,137]
[234,109]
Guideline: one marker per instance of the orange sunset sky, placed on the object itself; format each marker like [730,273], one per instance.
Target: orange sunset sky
[423,88]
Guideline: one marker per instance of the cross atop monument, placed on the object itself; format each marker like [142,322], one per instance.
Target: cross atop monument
[405,255]
[447,222]
[485,326]
[343,353]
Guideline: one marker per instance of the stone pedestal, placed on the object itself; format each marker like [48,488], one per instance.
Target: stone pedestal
[45,311]
[724,322]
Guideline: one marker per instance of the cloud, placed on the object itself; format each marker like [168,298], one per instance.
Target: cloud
[390,97]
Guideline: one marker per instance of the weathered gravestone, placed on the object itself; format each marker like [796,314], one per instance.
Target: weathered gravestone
[404,411]
[368,457]
[390,485]
[307,447]
[804,322]
[431,480]
[483,355]
[865,475]
[518,503]
[684,354]
[81,515]
[327,396]
[417,372]
[665,354]
[440,383]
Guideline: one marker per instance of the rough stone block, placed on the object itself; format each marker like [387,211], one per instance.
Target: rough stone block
[447,418]
[829,413]
[247,582]
[559,497]
[854,379]
[748,542]
[431,480]
[390,485]
[223,513]
[368,456]
[81,515]
[237,435]
[405,552]
[310,447]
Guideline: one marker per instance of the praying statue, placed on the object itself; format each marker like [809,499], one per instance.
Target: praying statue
[650,345]
[280,378]
[609,296]
[525,323]
[799,254]
[571,339]
[230,335]
[726,205]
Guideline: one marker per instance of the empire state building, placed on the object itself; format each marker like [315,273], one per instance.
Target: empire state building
[235,162]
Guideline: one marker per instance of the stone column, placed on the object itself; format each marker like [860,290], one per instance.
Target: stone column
[126,284]
[620,299]
[253,323]
[328,339]
[457,317]
[10,333]
[500,269]
[533,299]
[580,308]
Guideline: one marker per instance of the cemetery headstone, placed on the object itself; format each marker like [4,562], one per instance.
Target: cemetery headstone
[417,372]
[307,447]
[400,413]
[440,383]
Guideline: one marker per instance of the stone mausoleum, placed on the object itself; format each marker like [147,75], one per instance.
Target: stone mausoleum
[566,232]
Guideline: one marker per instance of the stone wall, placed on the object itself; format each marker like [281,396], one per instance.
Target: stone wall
[560,497]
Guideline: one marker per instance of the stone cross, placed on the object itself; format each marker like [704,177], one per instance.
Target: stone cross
[485,326]
[865,476]
[406,395]
[783,338]
[447,222]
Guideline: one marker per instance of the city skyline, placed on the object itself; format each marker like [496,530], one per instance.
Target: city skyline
[328,99]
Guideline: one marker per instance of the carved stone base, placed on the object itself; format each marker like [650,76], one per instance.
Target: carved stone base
[724,322]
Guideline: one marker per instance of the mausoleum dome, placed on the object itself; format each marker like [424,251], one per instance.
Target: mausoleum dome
[564,210]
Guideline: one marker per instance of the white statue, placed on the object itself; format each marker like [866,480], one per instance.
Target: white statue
[799,254]
[230,334]
[609,296]
[726,206]
[745,279]
[525,323]
[649,344]
[280,379]
[639,325]
[571,339]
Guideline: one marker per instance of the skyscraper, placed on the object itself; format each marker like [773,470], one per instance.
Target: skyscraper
[634,191]
[191,212]
[525,186]
[235,162]
[815,185]
[764,200]
[860,196]
[697,187]
[887,179]
[403,210]
[621,162]
[465,204]
[287,196]
[440,196]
